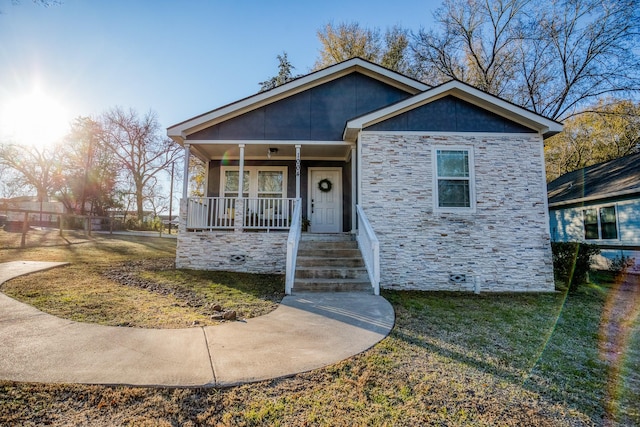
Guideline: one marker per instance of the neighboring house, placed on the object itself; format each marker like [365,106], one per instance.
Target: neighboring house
[599,204]
[14,209]
[452,180]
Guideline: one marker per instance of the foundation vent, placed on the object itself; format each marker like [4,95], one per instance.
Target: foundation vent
[238,259]
[458,279]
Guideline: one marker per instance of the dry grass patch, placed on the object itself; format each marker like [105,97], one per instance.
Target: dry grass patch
[79,292]
[143,289]
[75,247]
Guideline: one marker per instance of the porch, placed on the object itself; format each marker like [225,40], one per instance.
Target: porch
[257,197]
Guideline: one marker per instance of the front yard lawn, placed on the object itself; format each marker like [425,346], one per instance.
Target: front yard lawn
[451,359]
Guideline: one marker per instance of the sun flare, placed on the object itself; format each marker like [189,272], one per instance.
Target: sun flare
[35,118]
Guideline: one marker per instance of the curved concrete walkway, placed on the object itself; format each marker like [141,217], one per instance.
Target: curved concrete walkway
[305,332]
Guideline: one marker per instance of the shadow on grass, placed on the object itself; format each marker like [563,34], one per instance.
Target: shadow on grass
[263,286]
[546,343]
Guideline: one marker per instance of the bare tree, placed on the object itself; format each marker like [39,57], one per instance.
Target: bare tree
[349,40]
[584,50]
[140,148]
[395,54]
[554,58]
[89,169]
[605,132]
[477,43]
[345,41]
[32,168]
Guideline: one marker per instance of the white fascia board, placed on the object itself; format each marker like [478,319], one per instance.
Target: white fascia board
[183,129]
[464,92]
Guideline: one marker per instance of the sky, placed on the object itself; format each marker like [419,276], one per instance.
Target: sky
[176,58]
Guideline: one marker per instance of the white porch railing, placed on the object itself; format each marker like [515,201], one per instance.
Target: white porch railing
[370,249]
[214,213]
[268,213]
[206,213]
[292,246]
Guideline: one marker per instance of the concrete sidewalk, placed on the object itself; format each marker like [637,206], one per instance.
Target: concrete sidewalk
[305,332]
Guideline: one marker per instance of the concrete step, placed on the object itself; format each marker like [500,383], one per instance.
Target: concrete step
[328,244]
[331,285]
[329,253]
[329,262]
[331,273]
[333,237]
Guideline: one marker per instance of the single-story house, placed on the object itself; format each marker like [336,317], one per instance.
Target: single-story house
[599,204]
[444,187]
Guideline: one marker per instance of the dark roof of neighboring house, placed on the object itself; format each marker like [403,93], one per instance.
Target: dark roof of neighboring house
[615,178]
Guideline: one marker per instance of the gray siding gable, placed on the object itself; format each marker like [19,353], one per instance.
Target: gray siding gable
[449,114]
[317,114]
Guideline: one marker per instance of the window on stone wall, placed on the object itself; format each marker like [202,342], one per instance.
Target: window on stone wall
[600,223]
[454,183]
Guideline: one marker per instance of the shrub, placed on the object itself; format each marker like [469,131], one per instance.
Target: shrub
[572,262]
[620,264]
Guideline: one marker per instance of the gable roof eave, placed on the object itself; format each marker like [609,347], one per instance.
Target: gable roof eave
[610,179]
[546,127]
[180,131]
[594,198]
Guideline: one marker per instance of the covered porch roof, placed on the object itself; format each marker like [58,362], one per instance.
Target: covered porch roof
[274,150]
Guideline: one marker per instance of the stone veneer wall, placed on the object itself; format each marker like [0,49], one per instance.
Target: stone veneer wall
[230,251]
[503,246]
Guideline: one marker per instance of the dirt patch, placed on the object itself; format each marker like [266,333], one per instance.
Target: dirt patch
[128,274]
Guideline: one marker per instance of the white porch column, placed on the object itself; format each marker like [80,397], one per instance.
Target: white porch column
[185,182]
[238,219]
[298,171]
[354,189]
[241,171]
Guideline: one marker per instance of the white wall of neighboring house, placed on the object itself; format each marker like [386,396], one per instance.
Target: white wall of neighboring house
[31,205]
[567,225]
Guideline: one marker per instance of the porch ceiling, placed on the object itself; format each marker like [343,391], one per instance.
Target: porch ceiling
[310,150]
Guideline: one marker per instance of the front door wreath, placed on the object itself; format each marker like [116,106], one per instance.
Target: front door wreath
[325,185]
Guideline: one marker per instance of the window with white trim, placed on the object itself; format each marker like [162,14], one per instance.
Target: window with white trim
[600,223]
[454,179]
[258,181]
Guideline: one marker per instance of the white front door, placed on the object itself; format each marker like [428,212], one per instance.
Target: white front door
[325,200]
